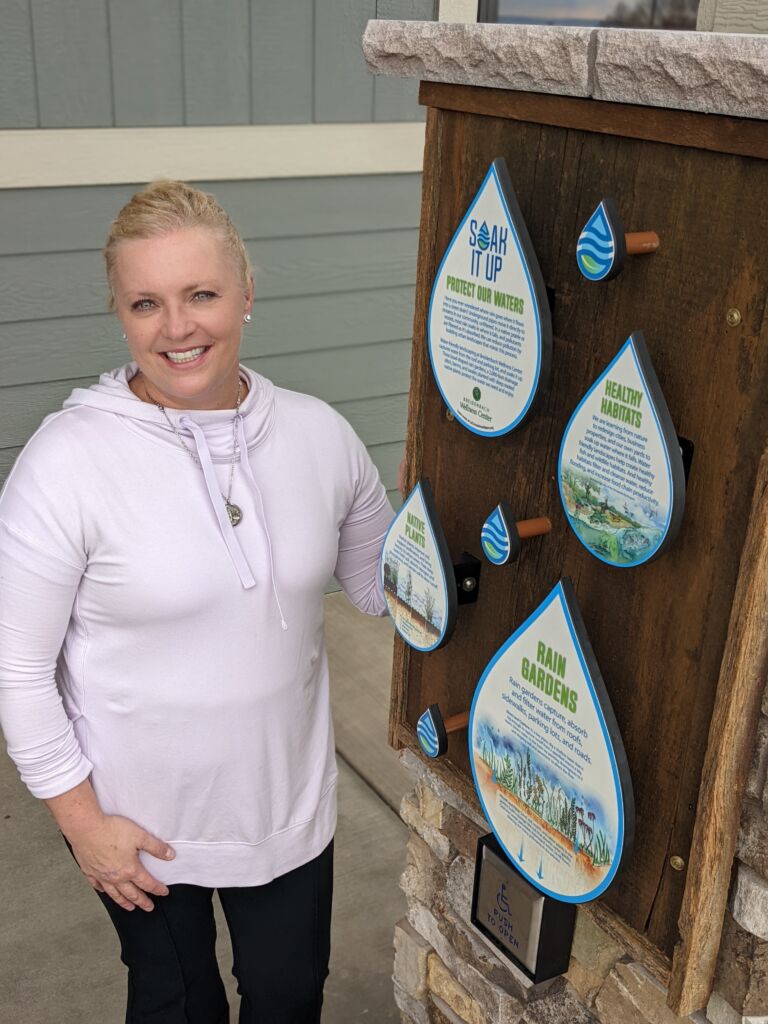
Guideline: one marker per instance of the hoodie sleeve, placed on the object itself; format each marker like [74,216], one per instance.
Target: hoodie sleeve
[37,591]
[362,534]
[42,560]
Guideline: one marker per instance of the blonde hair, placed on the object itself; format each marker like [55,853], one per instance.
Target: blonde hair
[165,206]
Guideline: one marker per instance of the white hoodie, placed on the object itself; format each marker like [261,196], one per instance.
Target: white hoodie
[178,661]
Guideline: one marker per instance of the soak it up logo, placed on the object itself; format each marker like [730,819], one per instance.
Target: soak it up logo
[487,249]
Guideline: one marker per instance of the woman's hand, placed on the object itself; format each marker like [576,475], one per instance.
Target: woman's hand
[107,846]
[108,855]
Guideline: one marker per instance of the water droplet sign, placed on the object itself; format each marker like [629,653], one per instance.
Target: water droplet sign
[432,730]
[417,573]
[547,758]
[489,327]
[620,468]
[602,246]
[501,537]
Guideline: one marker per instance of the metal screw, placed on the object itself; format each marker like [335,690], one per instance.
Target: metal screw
[449,416]
[733,317]
[468,584]
[677,863]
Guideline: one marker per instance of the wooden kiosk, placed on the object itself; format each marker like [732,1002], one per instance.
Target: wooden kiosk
[682,641]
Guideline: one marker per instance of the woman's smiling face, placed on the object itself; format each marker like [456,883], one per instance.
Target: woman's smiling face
[181,302]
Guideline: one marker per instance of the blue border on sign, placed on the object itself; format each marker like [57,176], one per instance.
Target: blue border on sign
[537,374]
[444,626]
[557,593]
[639,561]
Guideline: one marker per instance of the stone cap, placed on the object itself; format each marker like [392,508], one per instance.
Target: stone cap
[709,72]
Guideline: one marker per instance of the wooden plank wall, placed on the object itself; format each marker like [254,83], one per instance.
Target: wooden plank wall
[334,263]
[658,631]
[108,63]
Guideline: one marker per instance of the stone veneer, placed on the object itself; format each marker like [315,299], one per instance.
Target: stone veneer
[445,973]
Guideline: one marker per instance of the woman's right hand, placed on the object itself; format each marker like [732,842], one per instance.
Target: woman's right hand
[108,855]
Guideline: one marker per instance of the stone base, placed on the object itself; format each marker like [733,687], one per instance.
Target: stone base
[445,971]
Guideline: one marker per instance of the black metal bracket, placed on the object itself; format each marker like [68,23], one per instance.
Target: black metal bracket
[467,573]
[686,450]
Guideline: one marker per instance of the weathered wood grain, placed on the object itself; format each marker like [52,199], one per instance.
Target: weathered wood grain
[677,128]
[731,741]
[658,631]
[425,266]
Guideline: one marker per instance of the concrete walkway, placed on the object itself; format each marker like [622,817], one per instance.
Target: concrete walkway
[59,957]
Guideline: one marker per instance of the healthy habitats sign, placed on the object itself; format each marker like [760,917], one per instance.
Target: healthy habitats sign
[417,573]
[547,758]
[621,475]
[489,328]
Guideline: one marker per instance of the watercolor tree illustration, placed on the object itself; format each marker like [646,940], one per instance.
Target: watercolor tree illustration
[563,810]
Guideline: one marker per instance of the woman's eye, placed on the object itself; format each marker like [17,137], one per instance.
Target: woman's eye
[204,296]
[142,304]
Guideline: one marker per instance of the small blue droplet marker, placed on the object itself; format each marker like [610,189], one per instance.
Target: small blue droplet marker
[432,730]
[602,246]
[501,536]
[520,856]
[540,872]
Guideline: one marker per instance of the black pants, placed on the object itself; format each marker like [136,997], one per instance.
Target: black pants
[280,937]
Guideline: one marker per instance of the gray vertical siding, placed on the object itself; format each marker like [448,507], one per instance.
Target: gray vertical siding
[147,71]
[217,61]
[116,63]
[18,90]
[282,61]
[72,63]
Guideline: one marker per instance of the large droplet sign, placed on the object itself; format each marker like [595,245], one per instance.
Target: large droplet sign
[417,573]
[547,758]
[489,326]
[620,470]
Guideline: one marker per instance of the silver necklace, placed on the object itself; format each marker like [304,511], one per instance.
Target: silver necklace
[234,512]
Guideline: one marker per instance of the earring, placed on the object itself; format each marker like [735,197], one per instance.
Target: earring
[247,318]
[125,336]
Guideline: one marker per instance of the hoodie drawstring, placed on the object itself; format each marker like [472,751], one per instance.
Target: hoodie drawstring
[249,472]
[225,526]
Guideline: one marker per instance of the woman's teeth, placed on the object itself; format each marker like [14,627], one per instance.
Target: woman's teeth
[185,357]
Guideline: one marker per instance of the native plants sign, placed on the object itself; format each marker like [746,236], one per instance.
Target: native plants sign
[417,573]
[489,329]
[547,758]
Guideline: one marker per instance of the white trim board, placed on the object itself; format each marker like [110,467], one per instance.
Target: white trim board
[116,156]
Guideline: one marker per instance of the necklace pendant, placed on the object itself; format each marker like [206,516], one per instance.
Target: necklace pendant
[234,512]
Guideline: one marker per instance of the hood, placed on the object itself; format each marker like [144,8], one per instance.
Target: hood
[207,433]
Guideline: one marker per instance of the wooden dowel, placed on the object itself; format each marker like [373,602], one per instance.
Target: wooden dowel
[533,527]
[456,722]
[639,242]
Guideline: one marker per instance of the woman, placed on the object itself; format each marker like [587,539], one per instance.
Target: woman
[165,541]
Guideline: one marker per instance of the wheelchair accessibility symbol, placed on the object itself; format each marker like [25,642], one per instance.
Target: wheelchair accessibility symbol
[501,899]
